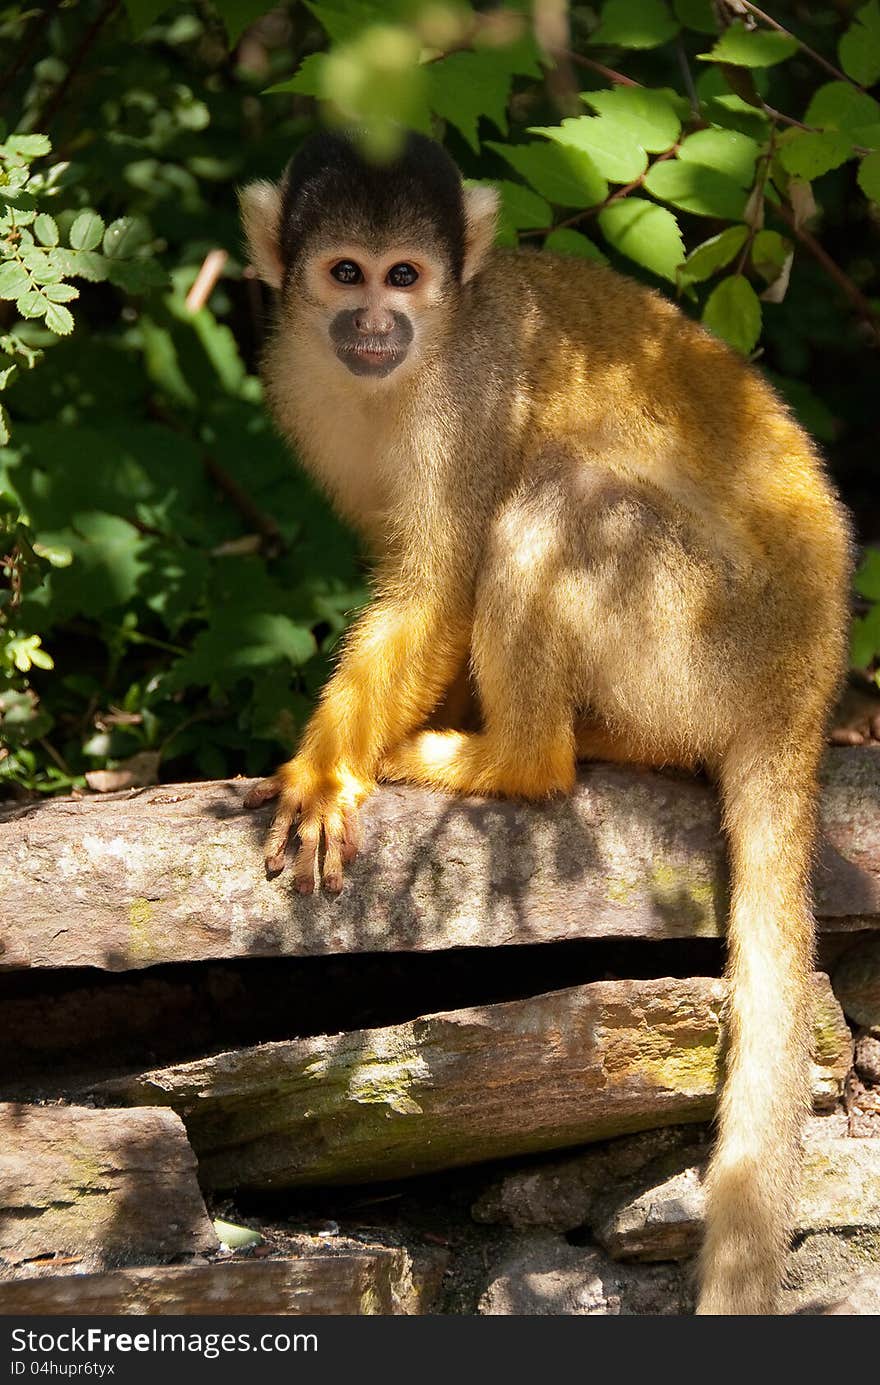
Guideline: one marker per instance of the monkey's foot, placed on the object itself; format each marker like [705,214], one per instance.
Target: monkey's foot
[473,764]
[322,807]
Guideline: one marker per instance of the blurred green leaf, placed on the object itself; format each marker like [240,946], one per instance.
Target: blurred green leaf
[634,24]
[869,177]
[859,47]
[807,155]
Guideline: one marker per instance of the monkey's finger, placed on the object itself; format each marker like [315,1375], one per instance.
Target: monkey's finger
[351,835]
[306,859]
[334,840]
[277,839]
[262,792]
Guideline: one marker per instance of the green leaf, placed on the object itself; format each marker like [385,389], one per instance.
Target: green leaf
[698,15]
[770,250]
[713,254]
[614,152]
[869,177]
[649,117]
[61,293]
[29,146]
[566,177]
[124,236]
[727,151]
[82,264]
[733,312]
[46,229]
[59,319]
[841,106]
[245,640]
[308,80]
[742,47]
[867,578]
[32,304]
[467,86]
[564,241]
[697,189]
[859,48]
[136,276]
[808,155]
[645,233]
[634,24]
[865,639]
[731,112]
[14,279]
[521,208]
[86,231]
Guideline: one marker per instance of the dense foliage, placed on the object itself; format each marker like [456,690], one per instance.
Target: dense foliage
[172,588]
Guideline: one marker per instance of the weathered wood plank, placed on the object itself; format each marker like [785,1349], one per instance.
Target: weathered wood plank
[174,873]
[108,1186]
[374,1280]
[451,1089]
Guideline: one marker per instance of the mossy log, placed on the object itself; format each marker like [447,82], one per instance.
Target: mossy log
[111,1187]
[451,1089]
[174,873]
[367,1280]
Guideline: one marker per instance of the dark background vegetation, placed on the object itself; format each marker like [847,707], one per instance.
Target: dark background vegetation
[172,588]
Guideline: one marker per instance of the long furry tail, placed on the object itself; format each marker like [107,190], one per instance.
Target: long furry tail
[769,796]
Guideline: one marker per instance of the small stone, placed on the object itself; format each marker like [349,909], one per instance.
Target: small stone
[857,983]
[867,1058]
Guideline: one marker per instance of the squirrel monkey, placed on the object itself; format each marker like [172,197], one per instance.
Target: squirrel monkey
[614,521]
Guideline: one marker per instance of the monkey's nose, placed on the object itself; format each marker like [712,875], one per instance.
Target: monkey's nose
[373,324]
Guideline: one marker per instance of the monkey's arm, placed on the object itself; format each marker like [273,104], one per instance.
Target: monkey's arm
[397,662]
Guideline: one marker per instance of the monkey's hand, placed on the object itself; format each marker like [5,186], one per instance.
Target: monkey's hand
[322,805]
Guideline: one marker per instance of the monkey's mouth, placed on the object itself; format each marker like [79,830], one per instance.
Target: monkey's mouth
[370,356]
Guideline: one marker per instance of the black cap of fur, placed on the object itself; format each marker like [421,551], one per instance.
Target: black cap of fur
[332,189]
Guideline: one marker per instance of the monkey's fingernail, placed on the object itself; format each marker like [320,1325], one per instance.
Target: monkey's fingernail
[275,864]
[304,885]
[333,883]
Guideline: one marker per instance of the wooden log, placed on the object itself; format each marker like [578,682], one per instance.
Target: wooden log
[369,1280]
[174,873]
[450,1089]
[106,1186]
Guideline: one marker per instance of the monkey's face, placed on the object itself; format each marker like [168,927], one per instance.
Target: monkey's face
[375,309]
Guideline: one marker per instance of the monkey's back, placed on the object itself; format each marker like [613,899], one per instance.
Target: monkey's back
[620,373]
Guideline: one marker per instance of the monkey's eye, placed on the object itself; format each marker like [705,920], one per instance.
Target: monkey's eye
[401,276]
[346,272]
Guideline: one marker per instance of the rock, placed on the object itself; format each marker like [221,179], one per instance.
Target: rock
[175,872]
[840,1190]
[355,1281]
[450,1089]
[861,1299]
[857,983]
[109,1187]
[561,1195]
[540,1274]
[867,1057]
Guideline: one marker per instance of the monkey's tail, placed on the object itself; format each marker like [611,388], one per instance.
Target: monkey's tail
[769,796]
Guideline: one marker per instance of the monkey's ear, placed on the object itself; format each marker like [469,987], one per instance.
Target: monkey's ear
[260,205]
[480,222]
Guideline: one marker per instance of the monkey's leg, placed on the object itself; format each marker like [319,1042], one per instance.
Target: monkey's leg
[395,665]
[521,657]
[768,790]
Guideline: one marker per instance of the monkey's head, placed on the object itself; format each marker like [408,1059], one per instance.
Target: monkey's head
[369,259]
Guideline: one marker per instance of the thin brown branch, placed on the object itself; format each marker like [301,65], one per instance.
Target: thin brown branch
[206,280]
[834,272]
[265,526]
[26,49]
[53,105]
[804,47]
[619,78]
